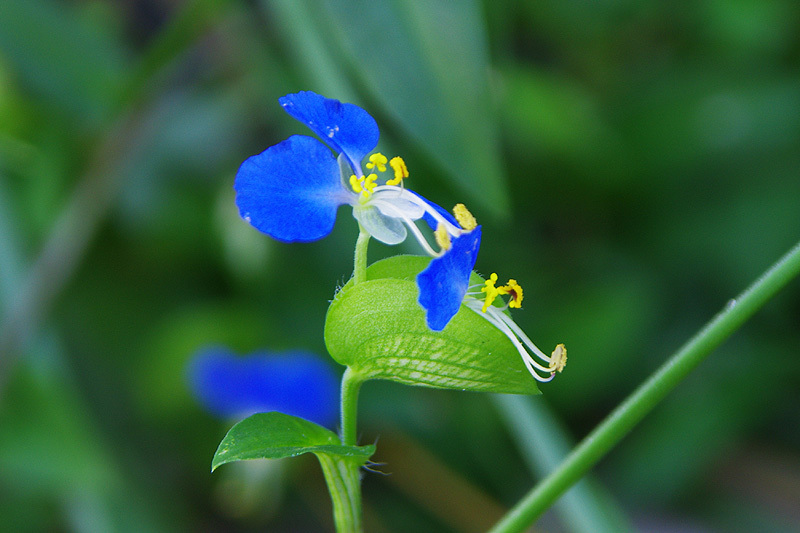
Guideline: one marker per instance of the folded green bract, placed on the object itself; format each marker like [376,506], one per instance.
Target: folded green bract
[378,329]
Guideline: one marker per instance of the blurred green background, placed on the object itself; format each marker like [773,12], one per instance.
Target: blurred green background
[634,164]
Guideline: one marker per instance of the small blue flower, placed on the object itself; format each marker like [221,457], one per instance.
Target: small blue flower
[292,192]
[295,383]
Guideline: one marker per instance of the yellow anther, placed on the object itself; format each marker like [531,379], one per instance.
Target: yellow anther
[355,184]
[464,217]
[442,237]
[377,160]
[369,182]
[491,291]
[558,359]
[400,171]
[512,288]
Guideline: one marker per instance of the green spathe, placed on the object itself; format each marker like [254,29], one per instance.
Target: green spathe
[276,435]
[378,329]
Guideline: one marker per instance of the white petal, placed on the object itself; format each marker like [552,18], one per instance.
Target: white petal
[400,200]
[386,229]
[345,170]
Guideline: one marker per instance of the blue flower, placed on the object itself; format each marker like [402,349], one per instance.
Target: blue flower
[292,192]
[295,383]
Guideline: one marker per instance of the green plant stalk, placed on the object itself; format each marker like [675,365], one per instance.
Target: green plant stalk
[360,261]
[586,507]
[351,384]
[344,483]
[343,475]
[643,399]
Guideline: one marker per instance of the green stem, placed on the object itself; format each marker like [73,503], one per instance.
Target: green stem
[343,474]
[643,399]
[343,477]
[351,384]
[586,507]
[360,266]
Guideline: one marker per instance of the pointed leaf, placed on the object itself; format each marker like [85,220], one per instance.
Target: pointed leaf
[427,63]
[276,435]
[378,329]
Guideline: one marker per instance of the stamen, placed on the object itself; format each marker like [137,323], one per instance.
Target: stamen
[510,328]
[513,288]
[377,160]
[464,217]
[491,291]
[528,342]
[369,183]
[442,237]
[355,183]
[558,360]
[400,171]
[507,326]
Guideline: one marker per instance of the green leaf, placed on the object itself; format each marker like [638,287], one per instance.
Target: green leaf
[276,435]
[378,329]
[427,64]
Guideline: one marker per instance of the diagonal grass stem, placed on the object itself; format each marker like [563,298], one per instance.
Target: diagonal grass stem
[589,451]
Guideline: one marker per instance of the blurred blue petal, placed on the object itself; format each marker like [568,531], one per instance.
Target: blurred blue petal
[295,383]
[443,285]
[291,191]
[346,128]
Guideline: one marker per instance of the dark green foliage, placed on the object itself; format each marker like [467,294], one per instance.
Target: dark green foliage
[636,165]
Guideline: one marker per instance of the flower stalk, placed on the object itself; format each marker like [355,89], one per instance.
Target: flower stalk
[360,262]
[351,385]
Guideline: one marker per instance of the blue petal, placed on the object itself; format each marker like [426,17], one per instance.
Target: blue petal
[346,128]
[444,283]
[442,211]
[291,191]
[295,383]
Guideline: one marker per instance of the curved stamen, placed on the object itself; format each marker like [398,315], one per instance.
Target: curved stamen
[398,213]
[502,322]
[521,334]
